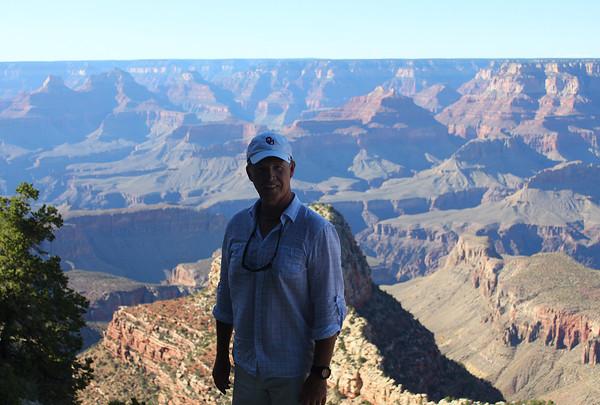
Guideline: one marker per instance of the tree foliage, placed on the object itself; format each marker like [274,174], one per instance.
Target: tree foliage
[40,317]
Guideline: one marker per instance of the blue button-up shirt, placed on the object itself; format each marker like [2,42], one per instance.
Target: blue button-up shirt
[277,314]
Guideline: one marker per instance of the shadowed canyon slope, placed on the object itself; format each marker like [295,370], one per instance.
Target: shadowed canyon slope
[142,245]
[530,325]
[383,354]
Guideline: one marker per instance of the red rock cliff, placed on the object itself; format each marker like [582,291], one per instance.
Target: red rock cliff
[535,298]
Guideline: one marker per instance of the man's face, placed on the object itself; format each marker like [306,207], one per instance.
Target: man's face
[271,178]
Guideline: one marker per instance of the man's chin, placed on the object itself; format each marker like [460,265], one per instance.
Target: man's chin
[272,197]
[269,198]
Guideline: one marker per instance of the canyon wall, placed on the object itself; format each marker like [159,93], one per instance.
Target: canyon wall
[530,325]
[141,244]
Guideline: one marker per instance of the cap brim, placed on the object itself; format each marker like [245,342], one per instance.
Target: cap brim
[254,159]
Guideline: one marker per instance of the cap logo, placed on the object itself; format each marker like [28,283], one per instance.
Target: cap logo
[270,140]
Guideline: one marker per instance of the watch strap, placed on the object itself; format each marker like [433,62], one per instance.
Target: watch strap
[323,372]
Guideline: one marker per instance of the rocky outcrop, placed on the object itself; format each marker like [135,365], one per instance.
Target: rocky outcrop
[483,260]
[172,343]
[502,99]
[523,323]
[405,252]
[192,93]
[576,176]
[194,275]
[435,98]
[383,354]
[591,352]
[558,328]
[382,107]
[526,319]
[188,274]
[213,134]
[358,288]
[107,293]
[551,105]
[379,136]
[103,308]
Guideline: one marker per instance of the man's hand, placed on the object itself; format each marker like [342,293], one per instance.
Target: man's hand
[314,391]
[220,373]
[222,366]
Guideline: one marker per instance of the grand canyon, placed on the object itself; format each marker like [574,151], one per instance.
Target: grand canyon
[465,193]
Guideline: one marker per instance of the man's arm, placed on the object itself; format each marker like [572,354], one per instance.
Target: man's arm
[327,296]
[224,318]
[314,390]
[224,332]
[324,351]
[222,366]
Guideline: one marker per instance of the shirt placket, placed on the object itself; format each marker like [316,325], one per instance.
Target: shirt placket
[265,252]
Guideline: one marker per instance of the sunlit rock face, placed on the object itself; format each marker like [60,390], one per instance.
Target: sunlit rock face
[553,106]
[504,316]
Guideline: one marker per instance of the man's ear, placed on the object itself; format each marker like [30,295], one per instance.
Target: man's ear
[292,168]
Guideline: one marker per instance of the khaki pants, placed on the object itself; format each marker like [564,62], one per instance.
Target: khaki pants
[250,390]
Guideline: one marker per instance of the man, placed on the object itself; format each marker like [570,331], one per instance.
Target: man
[281,289]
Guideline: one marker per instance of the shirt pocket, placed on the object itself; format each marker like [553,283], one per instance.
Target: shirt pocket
[290,262]
[236,254]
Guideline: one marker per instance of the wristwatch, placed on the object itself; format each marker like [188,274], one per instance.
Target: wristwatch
[323,372]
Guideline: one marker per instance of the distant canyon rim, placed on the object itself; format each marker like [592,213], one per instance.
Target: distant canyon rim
[412,152]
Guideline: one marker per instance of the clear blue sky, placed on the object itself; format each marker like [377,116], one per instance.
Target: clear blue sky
[155,29]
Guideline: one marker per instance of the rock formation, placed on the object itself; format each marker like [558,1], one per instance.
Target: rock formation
[435,98]
[521,322]
[107,293]
[194,275]
[553,106]
[543,215]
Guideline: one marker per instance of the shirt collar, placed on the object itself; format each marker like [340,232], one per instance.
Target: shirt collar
[291,211]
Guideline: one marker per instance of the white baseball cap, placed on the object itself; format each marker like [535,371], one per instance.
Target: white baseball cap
[268,144]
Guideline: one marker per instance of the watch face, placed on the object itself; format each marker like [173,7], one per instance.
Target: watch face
[322,372]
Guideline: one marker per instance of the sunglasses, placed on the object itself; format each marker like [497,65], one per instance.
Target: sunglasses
[268,265]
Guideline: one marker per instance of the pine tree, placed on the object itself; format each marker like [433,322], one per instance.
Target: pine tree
[40,317]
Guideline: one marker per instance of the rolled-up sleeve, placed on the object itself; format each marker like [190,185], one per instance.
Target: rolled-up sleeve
[222,310]
[326,284]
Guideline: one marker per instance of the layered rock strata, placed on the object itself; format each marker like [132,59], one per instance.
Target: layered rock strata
[193,275]
[531,325]
[553,106]
[562,324]
[544,215]
[106,292]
